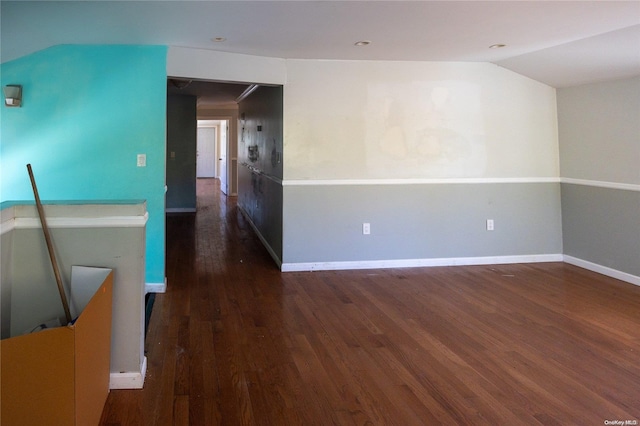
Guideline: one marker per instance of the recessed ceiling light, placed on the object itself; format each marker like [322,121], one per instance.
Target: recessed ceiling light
[218,39]
[362,43]
[497,46]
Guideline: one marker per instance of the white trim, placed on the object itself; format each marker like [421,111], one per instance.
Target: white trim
[156,287]
[80,222]
[604,270]
[6,226]
[444,181]
[272,253]
[180,210]
[413,263]
[130,380]
[602,184]
[271,178]
[330,182]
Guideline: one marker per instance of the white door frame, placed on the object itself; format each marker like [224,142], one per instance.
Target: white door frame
[232,154]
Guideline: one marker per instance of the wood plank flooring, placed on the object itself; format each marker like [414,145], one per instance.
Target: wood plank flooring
[236,342]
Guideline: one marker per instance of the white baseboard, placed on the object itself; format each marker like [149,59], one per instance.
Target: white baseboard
[604,270]
[180,210]
[129,380]
[414,263]
[460,261]
[155,287]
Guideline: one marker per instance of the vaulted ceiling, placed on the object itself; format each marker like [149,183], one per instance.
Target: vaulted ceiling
[560,43]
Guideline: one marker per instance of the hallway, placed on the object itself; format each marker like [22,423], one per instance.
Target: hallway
[208,253]
[234,341]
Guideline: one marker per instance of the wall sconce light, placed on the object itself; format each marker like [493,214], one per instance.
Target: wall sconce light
[12,95]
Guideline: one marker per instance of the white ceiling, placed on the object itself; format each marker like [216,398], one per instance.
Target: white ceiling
[560,43]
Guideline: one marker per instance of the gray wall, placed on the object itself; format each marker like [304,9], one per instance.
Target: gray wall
[420,221]
[181,140]
[602,226]
[28,283]
[260,164]
[6,271]
[599,128]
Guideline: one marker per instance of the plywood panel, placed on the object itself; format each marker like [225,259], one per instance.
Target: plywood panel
[37,378]
[92,348]
[59,376]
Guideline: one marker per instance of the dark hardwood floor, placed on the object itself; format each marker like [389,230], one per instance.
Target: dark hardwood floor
[234,341]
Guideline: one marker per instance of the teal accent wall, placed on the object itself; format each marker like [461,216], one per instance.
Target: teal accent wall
[87,112]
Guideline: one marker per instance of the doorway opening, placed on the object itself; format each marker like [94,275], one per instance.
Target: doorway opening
[207,110]
[211,152]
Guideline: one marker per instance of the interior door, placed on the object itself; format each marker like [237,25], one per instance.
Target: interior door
[222,161]
[206,155]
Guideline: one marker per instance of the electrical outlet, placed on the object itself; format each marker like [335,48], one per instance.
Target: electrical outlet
[142,160]
[489,224]
[366,228]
